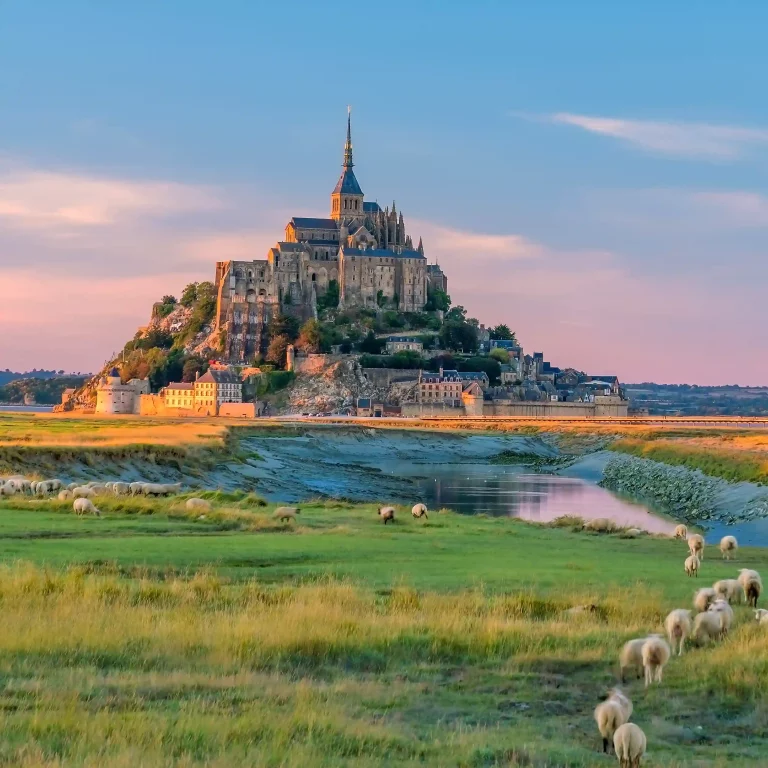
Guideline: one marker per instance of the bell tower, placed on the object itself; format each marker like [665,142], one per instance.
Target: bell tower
[347,197]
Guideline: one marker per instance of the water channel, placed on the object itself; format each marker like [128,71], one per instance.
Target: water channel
[515,491]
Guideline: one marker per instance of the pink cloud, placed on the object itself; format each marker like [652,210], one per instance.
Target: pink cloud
[74,322]
[60,201]
[587,309]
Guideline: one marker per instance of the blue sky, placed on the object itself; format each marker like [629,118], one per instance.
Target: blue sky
[593,174]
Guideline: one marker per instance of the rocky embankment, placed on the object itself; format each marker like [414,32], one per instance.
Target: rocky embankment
[686,494]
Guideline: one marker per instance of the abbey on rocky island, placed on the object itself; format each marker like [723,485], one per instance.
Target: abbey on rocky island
[360,250]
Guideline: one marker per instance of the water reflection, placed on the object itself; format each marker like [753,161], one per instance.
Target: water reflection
[499,490]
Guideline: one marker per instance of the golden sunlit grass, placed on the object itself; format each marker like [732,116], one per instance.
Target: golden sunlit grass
[102,669]
[64,430]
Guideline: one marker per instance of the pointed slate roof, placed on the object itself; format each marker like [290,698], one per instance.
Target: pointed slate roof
[347,183]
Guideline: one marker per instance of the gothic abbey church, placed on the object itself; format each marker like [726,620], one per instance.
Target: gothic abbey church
[361,247]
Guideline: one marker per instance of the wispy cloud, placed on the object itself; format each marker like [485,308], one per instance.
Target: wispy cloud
[683,139]
[63,202]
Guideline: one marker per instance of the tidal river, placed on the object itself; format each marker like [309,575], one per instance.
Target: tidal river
[513,491]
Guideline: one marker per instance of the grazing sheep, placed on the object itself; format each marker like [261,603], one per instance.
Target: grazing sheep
[707,626]
[629,744]
[99,489]
[725,612]
[692,565]
[419,510]
[600,524]
[703,598]
[73,485]
[632,656]
[633,533]
[200,504]
[681,531]
[696,545]
[678,627]
[65,495]
[761,616]
[387,514]
[121,489]
[82,492]
[614,711]
[656,654]
[160,489]
[730,590]
[136,488]
[753,585]
[281,513]
[728,545]
[84,507]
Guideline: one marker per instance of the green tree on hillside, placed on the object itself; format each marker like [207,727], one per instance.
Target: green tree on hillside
[502,333]
[310,337]
[497,353]
[189,295]
[276,353]
[437,300]
[285,325]
[330,300]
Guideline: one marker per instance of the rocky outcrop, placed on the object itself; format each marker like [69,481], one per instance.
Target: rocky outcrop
[687,494]
[327,384]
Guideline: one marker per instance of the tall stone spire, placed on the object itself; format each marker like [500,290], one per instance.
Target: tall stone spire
[348,145]
[420,249]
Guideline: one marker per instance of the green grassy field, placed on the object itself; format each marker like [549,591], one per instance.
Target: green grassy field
[149,637]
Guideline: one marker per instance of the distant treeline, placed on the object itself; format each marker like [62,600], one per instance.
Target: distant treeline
[44,391]
[7,375]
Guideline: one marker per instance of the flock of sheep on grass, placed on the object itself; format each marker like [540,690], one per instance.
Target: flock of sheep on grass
[649,655]
[81,494]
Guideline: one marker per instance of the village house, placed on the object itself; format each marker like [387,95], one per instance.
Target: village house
[402,343]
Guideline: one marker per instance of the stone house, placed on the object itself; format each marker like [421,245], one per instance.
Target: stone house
[401,343]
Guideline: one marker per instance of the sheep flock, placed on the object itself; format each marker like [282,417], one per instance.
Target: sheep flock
[709,622]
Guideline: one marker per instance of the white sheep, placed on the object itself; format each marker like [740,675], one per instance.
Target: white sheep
[753,585]
[696,545]
[761,616]
[198,504]
[121,489]
[725,612]
[611,713]
[707,626]
[387,514]
[600,524]
[160,489]
[419,510]
[631,656]
[85,506]
[692,565]
[703,598]
[730,590]
[73,485]
[136,488]
[99,489]
[65,495]
[285,513]
[82,492]
[678,627]
[629,744]
[681,531]
[728,545]
[656,653]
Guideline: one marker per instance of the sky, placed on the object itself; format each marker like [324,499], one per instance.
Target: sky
[592,174]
